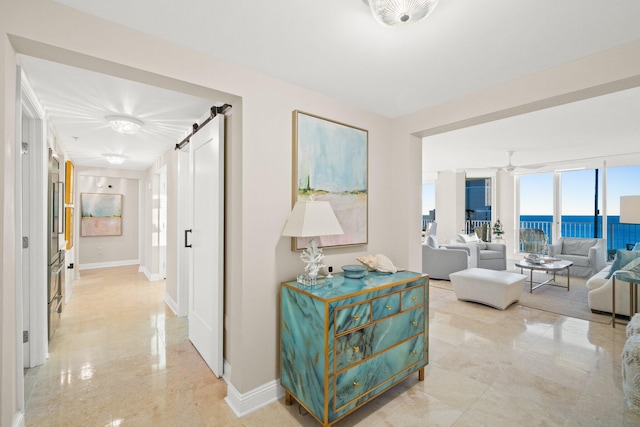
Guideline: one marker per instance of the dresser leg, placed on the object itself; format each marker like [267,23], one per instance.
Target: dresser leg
[421,374]
[288,400]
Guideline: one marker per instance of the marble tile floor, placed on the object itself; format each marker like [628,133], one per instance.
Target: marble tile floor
[121,358]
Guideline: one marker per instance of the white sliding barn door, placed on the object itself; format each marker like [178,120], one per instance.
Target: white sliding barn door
[206,238]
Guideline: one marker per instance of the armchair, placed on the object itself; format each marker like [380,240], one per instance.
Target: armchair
[491,256]
[440,261]
[589,256]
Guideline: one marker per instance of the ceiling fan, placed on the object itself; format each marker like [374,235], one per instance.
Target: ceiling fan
[510,167]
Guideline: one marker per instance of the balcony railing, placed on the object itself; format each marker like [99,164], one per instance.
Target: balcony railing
[619,236]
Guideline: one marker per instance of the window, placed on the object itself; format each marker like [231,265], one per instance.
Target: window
[536,206]
[477,203]
[428,204]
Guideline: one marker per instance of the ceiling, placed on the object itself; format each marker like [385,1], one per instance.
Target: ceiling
[461,48]
[77,102]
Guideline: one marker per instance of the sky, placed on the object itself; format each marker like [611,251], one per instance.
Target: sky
[332,156]
[578,188]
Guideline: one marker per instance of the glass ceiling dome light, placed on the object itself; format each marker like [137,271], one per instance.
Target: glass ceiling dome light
[124,124]
[395,13]
[115,159]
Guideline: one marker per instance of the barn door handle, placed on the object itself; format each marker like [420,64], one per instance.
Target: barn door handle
[186,245]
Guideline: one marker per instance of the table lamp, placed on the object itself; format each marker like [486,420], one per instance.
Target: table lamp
[312,219]
[630,209]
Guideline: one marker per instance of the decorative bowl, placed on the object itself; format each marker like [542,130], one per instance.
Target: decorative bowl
[354,271]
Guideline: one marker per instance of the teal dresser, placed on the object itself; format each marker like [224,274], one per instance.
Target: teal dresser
[345,341]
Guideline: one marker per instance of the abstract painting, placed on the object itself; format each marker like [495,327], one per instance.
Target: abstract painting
[330,163]
[101,214]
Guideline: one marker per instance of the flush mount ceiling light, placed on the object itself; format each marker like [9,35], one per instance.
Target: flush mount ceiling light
[124,124]
[115,159]
[396,13]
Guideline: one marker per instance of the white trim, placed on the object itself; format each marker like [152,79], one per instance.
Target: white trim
[171,303]
[18,420]
[247,403]
[152,277]
[226,371]
[122,263]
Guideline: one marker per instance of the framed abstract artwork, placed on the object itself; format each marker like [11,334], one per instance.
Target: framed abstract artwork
[330,162]
[68,230]
[101,214]
[69,177]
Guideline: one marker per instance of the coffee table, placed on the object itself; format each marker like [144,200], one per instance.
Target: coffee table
[548,266]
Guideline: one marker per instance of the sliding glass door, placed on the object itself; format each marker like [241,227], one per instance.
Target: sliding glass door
[581,203]
[477,204]
[536,212]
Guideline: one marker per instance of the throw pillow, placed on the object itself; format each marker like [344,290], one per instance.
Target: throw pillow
[432,242]
[623,258]
[636,247]
[482,245]
[468,238]
[577,246]
[633,266]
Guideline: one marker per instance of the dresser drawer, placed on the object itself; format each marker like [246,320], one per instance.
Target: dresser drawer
[377,337]
[385,306]
[413,297]
[363,378]
[352,317]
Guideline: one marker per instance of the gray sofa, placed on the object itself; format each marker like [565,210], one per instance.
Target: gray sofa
[589,255]
[440,261]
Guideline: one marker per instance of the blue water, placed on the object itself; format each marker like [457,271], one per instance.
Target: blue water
[619,236]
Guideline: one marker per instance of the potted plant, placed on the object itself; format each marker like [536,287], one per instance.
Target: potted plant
[497,230]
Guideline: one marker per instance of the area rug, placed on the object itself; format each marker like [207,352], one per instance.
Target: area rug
[553,299]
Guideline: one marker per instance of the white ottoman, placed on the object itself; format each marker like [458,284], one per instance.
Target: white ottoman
[497,289]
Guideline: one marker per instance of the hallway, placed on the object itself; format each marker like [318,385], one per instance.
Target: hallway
[121,357]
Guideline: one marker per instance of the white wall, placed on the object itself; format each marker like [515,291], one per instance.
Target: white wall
[97,251]
[259,151]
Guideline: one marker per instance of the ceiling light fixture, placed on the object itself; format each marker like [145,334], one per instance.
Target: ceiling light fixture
[124,124]
[115,159]
[395,13]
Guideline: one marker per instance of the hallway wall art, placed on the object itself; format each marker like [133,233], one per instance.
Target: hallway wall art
[101,214]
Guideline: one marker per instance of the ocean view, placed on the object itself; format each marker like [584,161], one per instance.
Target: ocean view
[619,236]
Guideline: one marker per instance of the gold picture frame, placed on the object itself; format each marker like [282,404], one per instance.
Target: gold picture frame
[330,162]
[68,231]
[69,174]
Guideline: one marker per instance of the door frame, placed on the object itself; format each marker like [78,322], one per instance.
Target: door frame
[28,104]
[184,213]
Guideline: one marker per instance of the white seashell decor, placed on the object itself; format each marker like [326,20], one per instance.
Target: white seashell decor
[378,262]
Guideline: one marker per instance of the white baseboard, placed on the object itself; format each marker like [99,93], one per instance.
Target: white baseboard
[122,263]
[152,277]
[171,303]
[245,404]
[18,419]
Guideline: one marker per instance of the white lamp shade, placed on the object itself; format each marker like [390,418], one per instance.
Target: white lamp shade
[630,209]
[312,219]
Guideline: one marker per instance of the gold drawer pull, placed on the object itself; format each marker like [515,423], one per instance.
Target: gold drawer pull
[415,352]
[414,323]
[388,307]
[415,298]
[356,349]
[356,317]
[356,384]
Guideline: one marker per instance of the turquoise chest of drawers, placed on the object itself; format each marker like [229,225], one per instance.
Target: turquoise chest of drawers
[345,341]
